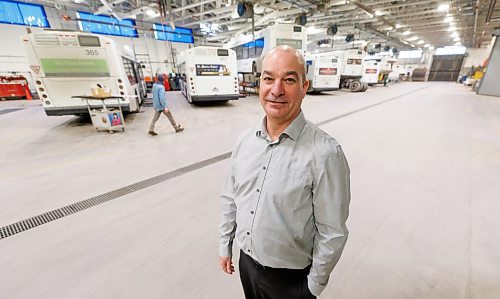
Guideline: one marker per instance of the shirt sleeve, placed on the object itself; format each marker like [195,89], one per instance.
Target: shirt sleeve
[163,98]
[331,197]
[227,226]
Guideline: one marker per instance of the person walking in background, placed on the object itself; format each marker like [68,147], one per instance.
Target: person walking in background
[286,197]
[160,106]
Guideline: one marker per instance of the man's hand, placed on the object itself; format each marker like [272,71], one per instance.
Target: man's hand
[226,263]
[166,110]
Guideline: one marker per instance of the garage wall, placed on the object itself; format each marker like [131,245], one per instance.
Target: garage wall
[12,57]
[476,57]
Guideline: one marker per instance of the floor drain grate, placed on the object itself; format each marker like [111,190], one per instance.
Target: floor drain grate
[32,222]
[50,216]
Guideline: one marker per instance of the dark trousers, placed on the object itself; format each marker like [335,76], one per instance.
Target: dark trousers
[260,282]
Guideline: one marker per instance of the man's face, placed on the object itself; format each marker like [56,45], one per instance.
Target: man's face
[281,86]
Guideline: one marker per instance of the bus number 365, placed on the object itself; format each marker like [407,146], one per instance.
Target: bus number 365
[92,52]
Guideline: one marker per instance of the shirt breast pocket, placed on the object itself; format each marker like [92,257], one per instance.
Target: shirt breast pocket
[289,188]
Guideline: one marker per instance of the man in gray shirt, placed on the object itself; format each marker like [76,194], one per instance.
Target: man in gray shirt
[286,197]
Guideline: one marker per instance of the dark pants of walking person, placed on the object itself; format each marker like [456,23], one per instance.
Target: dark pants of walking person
[261,282]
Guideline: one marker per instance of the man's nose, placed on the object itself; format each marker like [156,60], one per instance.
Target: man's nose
[277,88]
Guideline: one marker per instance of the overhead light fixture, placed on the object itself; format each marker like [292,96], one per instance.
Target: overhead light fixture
[378,13]
[150,12]
[452,28]
[443,7]
[398,26]
[448,19]
[420,42]
[407,32]
[427,46]
[413,38]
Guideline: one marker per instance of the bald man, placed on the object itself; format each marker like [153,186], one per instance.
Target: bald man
[286,197]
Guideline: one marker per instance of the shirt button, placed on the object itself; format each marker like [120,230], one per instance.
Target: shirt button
[271,145]
[252,212]
[258,190]
[248,250]
[264,167]
[248,233]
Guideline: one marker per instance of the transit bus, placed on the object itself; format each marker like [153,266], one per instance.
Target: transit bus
[371,70]
[250,52]
[208,74]
[323,72]
[69,63]
[351,69]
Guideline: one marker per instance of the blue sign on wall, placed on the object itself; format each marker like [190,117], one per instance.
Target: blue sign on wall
[27,14]
[106,25]
[179,35]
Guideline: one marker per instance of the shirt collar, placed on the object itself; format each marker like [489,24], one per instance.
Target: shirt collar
[293,130]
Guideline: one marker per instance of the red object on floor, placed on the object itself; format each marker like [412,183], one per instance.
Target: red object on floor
[28,92]
[165,82]
[14,87]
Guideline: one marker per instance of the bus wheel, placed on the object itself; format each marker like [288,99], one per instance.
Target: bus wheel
[355,86]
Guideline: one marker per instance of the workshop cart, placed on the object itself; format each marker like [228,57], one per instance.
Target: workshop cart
[103,117]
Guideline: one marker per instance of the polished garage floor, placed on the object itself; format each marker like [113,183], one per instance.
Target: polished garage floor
[425,163]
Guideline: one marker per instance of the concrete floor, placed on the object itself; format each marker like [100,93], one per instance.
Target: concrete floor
[424,222]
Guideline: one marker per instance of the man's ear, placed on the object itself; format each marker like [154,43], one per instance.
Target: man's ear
[306,85]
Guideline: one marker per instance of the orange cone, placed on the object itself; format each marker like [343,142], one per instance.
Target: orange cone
[28,93]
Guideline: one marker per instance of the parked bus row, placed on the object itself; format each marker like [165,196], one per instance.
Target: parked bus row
[67,63]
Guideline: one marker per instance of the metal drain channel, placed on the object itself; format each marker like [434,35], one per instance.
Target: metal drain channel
[44,218]
[38,220]
[9,110]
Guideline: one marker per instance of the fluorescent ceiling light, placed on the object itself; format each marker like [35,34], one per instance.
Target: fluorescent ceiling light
[420,42]
[427,46]
[413,38]
[378,13]
[407,32]
[443,7]
[150,12]
[448,19]
[398,26]
[452,28]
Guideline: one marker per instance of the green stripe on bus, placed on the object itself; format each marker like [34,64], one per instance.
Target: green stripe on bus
[77,66]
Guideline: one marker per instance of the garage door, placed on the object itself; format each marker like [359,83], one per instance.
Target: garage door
[445,67]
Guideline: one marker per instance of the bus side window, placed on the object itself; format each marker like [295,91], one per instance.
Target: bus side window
[129,70]
[259,46]
[245,52]
[238,52]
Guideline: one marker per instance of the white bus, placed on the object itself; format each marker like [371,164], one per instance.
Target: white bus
[250,52]
[68,63]
[371,71]
[323,72]
[351,70]
[208,74]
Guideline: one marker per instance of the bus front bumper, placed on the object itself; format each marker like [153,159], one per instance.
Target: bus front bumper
[79,110]
[221,97]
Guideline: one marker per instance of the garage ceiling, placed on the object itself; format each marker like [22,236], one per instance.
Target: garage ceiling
[401,23]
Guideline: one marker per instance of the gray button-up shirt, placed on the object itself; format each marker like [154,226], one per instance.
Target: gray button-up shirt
[286,202]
